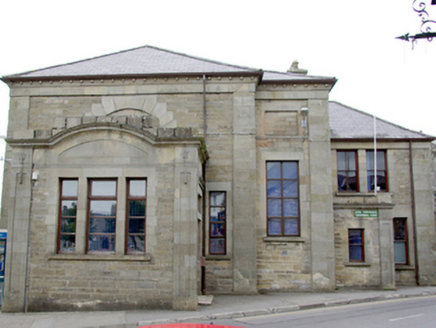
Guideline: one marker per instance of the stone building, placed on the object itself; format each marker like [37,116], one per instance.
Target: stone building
[146,177]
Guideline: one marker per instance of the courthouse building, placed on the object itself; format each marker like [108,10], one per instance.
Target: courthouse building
[144,178]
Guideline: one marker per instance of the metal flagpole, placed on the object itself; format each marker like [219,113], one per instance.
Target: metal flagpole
[375,156]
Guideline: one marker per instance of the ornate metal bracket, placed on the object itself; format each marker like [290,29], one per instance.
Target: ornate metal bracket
[427,24]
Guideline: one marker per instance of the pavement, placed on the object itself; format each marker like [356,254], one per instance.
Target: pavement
[222,307]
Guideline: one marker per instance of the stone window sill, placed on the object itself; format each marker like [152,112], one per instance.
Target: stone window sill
[218,258]
[404,267]
[357,194]
[284,239]
[100,257]
[357,264]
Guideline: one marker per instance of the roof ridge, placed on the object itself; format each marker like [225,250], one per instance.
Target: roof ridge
[380,119]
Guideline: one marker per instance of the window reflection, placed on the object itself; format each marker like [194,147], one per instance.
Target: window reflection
[282,199]
[218,218]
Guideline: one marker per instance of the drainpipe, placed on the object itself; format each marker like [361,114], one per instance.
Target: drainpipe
[203,246]
[26,290]
[204,109]
[412,196]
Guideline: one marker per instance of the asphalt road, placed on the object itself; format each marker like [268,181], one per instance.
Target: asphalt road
[413,312]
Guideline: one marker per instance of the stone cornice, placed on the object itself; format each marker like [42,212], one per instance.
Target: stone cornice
[107,80]
[132,78]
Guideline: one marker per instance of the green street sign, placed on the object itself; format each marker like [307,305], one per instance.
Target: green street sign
[366,214]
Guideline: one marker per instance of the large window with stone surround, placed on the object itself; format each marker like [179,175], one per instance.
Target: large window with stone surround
[382,171]
[356,245]
[400,241]
[136,215]
[102,209]
[218,222]
[67,215]
[283,211]
[348,178]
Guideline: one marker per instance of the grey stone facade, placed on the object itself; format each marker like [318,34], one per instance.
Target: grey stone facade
[190,130]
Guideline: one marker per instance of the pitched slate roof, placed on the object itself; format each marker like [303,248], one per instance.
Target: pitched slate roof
[350,123]
[149,60]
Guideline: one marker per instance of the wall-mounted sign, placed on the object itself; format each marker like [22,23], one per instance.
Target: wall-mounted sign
[366,214]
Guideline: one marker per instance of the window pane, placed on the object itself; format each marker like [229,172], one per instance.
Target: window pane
[273,170]
[381,181]
[68,225]
[290,207]
[356,253]
[69,188]
[68,243]
[355,237]
[290,170]
[136,226]
[104,188]
[342,180]
[370,160]
[97,225]
[381,164]
[291,227]
[69,208]
[370,180]
[275,226]
[136,205]
[347,180]
[381,160]
[137,208]
[67,216]
[217,214]
[101,243]
[103,207]
[136,244]
[274,207]
[137,188]
[351,181]
[218,230]
[274,188]
[399,230]
[217,246]
[351,159]
[341,160]
[380,176]
[290,188]
[400,252]
[217,198]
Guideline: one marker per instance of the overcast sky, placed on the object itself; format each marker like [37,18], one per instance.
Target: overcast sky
[353,41]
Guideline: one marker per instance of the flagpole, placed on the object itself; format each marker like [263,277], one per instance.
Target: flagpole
[375,156]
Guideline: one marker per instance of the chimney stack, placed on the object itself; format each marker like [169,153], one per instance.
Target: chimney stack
[294,68]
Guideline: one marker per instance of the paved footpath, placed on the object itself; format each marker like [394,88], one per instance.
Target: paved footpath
[223,306]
